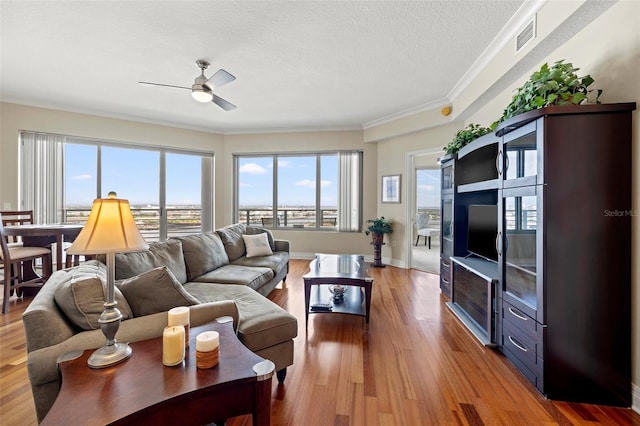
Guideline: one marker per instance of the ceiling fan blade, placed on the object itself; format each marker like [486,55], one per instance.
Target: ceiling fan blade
[220,78]
[163,85]
[225,105]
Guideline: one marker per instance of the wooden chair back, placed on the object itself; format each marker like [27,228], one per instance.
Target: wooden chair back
[16,217]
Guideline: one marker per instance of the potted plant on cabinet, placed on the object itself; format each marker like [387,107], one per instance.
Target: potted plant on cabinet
[377,228]
[465,136]
[553,85]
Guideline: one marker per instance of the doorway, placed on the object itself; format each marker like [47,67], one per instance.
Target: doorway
[424,209]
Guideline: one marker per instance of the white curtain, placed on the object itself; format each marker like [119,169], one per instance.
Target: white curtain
[350,193]
[41,175]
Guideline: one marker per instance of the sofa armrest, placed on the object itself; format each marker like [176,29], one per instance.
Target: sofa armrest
[281,245]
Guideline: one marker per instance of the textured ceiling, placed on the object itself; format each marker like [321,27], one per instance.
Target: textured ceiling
[299,64]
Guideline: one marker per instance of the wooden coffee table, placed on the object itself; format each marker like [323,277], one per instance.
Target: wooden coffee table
[327,270]
[141,390]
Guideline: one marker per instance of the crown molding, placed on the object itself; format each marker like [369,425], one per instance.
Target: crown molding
[506,35]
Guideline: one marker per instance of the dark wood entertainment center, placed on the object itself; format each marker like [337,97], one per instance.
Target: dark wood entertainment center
[555,296]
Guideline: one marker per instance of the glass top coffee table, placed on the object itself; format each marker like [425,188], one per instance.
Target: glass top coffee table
[338,283]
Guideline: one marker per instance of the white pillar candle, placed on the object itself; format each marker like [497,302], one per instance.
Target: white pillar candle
[173,345]
[180,316]
[207,341]
[207,349]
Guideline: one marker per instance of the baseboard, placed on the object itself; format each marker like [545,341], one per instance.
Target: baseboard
[635,398]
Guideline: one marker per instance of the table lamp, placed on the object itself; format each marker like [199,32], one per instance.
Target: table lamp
[110,229]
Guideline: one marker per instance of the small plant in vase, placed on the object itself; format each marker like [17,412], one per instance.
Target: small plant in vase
[377,228]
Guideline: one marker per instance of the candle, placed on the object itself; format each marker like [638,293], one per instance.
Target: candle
[207,349]
[173,345]
[207,341]
[180,316]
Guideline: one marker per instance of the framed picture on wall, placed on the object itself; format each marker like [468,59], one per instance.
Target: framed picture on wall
[391,188]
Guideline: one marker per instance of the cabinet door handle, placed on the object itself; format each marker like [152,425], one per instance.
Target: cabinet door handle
[445,281]
[498,162]
[517,315]
[445,264]
[514,341]
[506,163]
[498,238]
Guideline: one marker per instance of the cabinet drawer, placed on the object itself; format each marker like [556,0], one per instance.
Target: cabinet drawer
[445,277]
[518,320]
[522,345]
[534,373]
[445,267]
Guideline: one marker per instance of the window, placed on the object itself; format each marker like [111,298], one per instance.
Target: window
[169,191]
[428,193]
[319,191]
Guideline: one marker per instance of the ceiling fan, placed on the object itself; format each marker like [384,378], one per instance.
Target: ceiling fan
[202,88]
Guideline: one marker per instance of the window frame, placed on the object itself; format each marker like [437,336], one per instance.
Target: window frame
[275,157]
[207,176]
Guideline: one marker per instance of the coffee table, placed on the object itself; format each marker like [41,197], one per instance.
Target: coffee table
[328,270]
[141,390]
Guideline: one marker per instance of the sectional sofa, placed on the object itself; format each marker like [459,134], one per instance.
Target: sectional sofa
[226,272]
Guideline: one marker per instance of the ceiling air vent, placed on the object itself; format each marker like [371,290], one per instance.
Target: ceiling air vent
[526,35]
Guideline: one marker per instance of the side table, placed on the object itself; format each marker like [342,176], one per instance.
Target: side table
[141,390]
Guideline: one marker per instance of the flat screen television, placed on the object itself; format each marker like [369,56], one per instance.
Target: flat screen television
[482,231]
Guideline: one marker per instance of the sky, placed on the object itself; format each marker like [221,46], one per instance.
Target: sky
[132,173]
[296,181]
[428,188]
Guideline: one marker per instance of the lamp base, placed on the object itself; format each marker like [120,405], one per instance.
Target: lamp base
[107,356]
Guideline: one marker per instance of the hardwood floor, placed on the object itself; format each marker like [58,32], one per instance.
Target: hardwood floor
[414,364]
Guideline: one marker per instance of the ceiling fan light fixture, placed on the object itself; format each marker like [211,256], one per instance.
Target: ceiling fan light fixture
[201,93]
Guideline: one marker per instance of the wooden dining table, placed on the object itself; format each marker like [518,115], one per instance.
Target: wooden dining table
[42,235]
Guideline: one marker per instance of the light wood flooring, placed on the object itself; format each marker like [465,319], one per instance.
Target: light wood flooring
[414,364]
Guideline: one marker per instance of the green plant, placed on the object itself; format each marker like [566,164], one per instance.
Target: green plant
[555,85]
[465,136]
[379,225]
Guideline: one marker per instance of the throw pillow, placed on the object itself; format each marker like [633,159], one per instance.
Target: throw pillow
[81,295]
[252,230]
[155,291]
[257,245]
[231,237]
[203,253]
[160,253]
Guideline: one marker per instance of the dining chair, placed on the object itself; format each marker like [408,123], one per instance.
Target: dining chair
[425,229]
[16,217]
[268,221]
[18,262]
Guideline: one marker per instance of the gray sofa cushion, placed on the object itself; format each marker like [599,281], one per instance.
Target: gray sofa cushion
[262,323]
[253,278]
[203,253]
[276,262]
[155,291]
[80,294]
[164,253]
[231,237]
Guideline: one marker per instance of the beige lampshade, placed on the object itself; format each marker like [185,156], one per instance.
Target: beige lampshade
[110,228]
